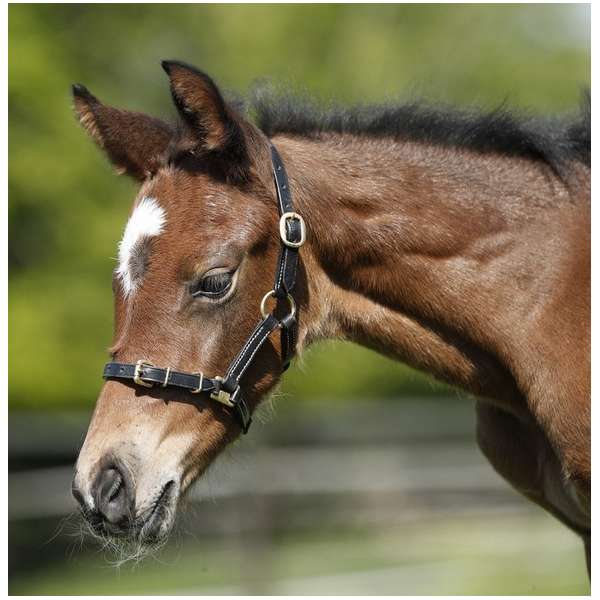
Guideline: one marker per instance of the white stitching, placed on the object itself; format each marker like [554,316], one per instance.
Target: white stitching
[242,351]
[245,347]
[281,270]
[258,347]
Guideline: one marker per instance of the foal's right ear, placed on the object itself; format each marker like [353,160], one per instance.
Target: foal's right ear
[134,142]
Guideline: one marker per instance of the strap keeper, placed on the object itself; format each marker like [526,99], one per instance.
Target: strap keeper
[165,383]
[199,388]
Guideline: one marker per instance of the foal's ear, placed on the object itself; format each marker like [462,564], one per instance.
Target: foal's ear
[134,142]
[213,123]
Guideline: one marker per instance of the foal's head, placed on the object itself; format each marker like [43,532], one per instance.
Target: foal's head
[198,254]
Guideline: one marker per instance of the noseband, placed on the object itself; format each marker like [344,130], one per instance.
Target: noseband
[227,389]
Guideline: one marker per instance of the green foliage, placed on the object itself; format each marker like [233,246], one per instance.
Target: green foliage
[66,209]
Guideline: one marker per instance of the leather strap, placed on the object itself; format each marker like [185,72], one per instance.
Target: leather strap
[158,376]
[193,382]
[242,361]
[227,390]
[289,326]
[287,266]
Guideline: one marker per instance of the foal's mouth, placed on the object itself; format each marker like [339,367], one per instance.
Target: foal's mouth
[150,528]
[160,519]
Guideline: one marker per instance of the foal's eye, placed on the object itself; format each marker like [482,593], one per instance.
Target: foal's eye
[212,285]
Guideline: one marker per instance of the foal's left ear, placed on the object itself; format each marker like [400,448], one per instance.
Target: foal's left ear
[134,142]
[217,129]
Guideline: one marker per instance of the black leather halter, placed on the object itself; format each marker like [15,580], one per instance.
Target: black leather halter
[227,389]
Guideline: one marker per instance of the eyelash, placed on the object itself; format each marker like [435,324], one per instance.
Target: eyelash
[220,283]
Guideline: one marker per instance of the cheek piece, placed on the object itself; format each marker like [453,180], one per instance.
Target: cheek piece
[227,389]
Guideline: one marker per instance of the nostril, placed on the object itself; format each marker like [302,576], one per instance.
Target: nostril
[117,486]
[113,496]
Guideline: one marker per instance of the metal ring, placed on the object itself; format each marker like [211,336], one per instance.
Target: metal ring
[263,304]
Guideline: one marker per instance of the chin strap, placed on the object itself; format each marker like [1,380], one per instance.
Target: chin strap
[227,390]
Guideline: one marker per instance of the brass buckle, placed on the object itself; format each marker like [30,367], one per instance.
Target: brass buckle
[221,395]
[283,231]
[271,294]
[137,374]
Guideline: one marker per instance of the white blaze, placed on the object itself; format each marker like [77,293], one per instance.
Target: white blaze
[147,220]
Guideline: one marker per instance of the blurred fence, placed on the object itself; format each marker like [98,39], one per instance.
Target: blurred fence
[373,497]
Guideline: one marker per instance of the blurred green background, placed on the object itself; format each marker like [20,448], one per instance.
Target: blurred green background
[67,210]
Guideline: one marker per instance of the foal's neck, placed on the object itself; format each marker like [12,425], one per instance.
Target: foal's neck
[414,251]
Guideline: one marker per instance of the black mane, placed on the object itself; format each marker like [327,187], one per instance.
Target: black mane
[555,141]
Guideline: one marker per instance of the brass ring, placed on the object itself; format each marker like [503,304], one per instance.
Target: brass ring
[271,294]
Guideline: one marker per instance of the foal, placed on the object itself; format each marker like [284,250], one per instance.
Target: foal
[456,243]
